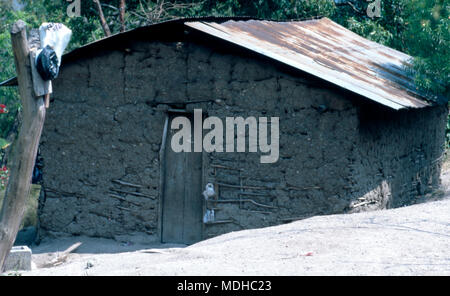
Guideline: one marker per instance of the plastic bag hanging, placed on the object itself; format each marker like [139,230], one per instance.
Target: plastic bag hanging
[54,39]
[209,216]
[47,64]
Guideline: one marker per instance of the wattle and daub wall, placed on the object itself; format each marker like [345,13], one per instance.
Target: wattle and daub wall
[338,152]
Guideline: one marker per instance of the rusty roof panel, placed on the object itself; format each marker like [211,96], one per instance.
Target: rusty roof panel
[329,51]
[319,47]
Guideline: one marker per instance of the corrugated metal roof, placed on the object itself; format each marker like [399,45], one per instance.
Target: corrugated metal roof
[329,51]
[320,47]
[169,29]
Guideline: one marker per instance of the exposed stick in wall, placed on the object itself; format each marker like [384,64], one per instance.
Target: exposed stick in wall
[131,210]
[162,102]
[133,193]
[123,199]
[126,184]
[239,186]
[122,208]
[256,194]
[363,203]
[219,222]
[246,200]
[302,188]
[437,159]
[224,167]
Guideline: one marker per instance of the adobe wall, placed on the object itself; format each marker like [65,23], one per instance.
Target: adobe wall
[105,126]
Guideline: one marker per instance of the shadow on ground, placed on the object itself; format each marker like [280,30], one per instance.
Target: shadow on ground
[93,245]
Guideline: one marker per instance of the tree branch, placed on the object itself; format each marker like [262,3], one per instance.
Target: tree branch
[102,18]
[352,5]
[122,15]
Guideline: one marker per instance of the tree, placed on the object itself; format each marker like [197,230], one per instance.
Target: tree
[419,28]
[427,38]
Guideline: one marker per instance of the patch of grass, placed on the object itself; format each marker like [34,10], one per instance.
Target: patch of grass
[30,216]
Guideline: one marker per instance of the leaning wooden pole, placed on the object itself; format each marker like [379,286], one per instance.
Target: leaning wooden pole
[19,183]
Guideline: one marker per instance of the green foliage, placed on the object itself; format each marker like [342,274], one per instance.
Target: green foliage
[289,9]
[419,28]
[30,216]
[270,9]
[8,96]
[3,143]
[428,35]
[370,29]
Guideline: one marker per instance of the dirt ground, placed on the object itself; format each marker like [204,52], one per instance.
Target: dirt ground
[413,240]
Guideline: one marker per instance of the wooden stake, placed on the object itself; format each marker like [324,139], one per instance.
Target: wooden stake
[47,100]
[24,156]
[61,258]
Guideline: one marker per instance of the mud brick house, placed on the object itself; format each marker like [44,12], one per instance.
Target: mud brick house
[354,133]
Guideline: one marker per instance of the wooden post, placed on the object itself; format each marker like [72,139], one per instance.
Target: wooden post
[24,156]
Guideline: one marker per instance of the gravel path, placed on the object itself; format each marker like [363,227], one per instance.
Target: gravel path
[412,240]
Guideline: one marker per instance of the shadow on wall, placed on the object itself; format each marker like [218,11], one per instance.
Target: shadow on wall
[407,172]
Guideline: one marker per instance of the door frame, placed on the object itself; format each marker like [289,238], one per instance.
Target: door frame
[162,172]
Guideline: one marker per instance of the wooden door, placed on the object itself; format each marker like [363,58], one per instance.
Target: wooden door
[182,203]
